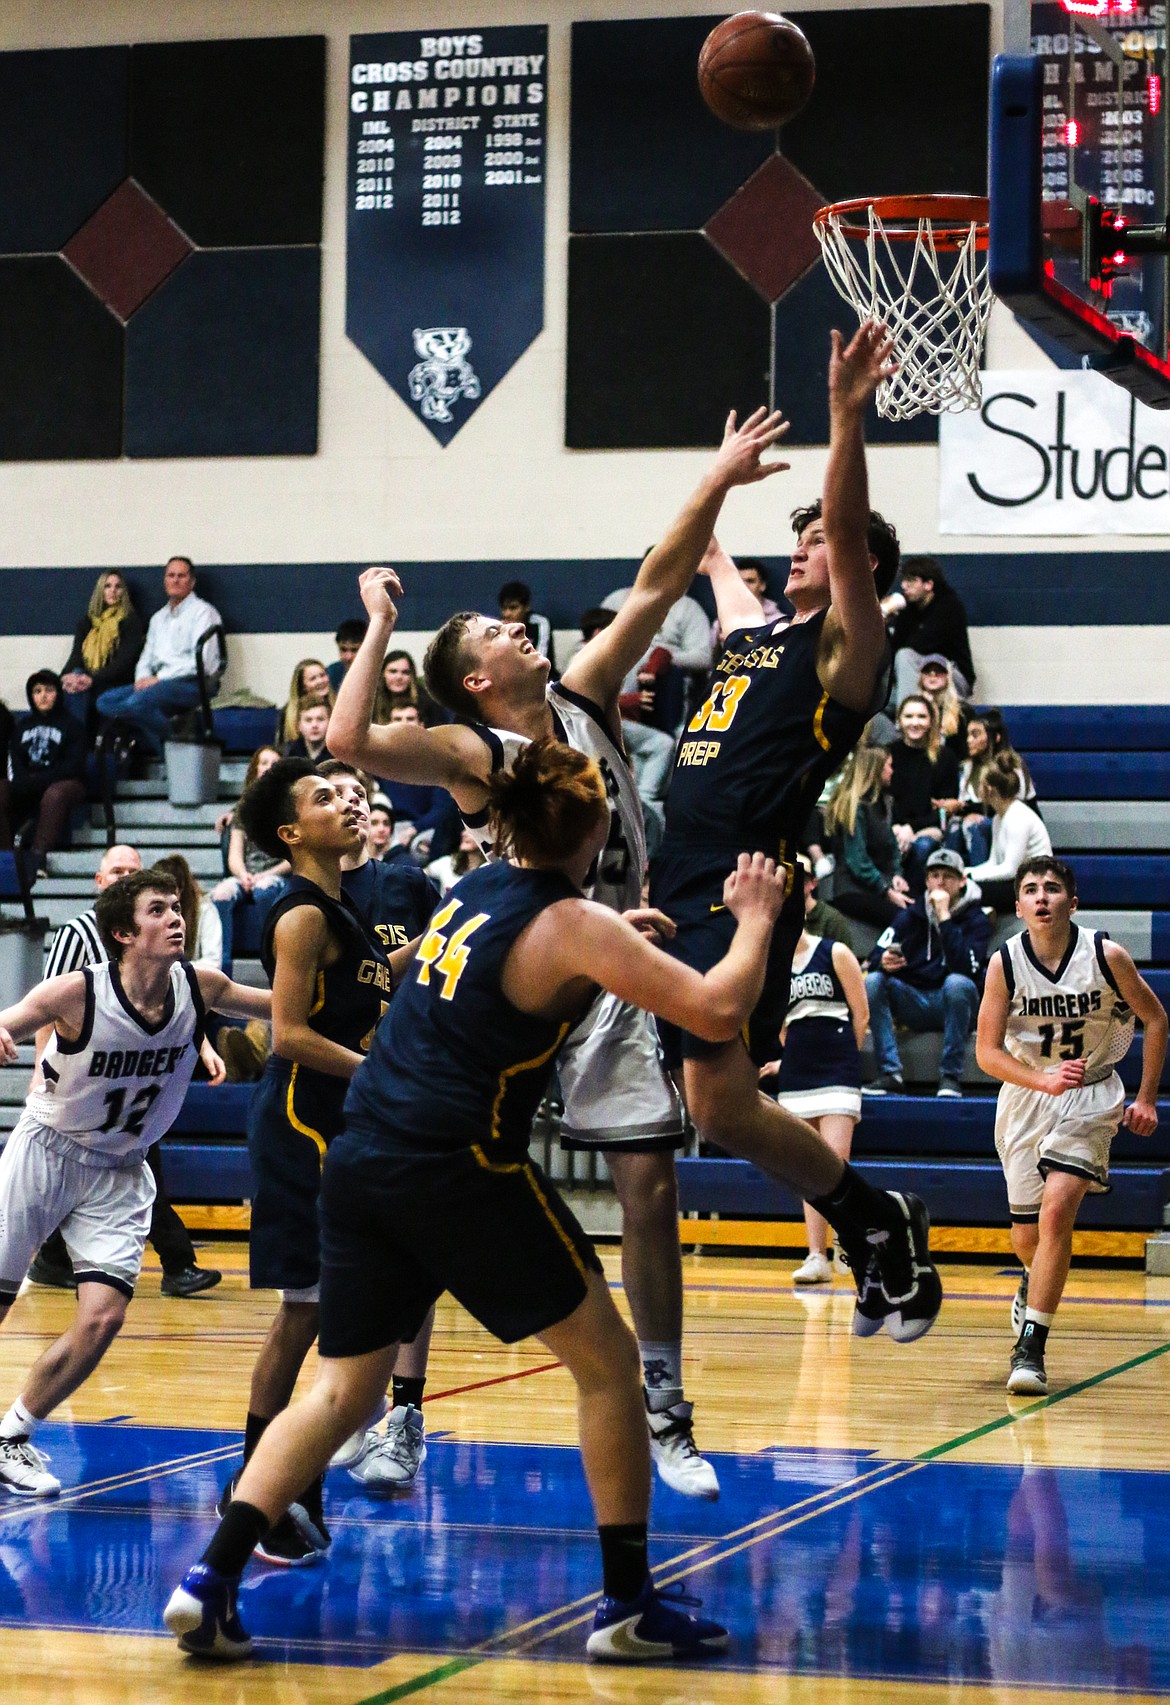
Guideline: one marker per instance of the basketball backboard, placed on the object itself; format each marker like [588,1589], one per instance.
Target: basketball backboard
[1079,159]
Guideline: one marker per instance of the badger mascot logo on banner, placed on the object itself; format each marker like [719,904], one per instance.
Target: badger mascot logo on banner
[444,374]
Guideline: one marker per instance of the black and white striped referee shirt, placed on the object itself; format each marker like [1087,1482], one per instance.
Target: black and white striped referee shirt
[75,945]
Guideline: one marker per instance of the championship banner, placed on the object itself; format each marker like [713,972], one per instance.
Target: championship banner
[1054,453]
[445,266]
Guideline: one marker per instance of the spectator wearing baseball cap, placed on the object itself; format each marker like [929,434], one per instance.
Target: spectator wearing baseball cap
[926,972]
[928,620]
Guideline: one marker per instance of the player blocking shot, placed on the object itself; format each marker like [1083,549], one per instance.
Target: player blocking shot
[430,1187]
[125,1036]
[1058,1013]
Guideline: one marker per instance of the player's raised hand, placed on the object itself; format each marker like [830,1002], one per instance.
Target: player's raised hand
[8,1050]
[857,368]
[1141,1117]
[1069,1074]
[755,885]
[739,459]
[379,587]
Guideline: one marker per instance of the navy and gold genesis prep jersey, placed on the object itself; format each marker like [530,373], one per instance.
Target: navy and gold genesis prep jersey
[455,1065]
[395,898]
[351,996]
[752,760]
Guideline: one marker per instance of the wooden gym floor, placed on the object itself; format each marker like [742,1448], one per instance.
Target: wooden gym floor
[892,1526]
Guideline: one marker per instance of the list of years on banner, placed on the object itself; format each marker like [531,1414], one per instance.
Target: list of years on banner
[479,117]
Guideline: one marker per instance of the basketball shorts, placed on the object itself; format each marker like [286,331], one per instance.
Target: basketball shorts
[688,887]
[838,1099]
[284,1244]
[614,1083]
[397,1230]
[1036,1134]
[46,1181]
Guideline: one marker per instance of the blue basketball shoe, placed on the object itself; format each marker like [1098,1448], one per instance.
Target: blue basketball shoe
[202,1612]
[649,1628]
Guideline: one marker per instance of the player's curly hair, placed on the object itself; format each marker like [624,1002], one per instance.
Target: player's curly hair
[448,659]
[544,806]
[116,905]
[881,536]
[270,803]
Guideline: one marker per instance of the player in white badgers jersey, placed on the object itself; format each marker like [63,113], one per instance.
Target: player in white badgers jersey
[125,1039]
[618,1096]
[1058,1014]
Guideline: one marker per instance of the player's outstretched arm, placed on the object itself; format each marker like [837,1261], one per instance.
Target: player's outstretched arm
[597,946]
[600,667]
[234,1000]
[855,629]
[56,1003]
[994,1058]
[448,756]
[1141,1116]
[735,605]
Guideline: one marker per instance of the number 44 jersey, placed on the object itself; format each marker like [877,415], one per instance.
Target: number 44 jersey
[1073,1013]
[119,1087]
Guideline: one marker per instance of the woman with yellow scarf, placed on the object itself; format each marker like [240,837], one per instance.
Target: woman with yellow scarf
[106,644]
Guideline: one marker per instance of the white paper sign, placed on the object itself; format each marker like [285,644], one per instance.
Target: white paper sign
[1054,453]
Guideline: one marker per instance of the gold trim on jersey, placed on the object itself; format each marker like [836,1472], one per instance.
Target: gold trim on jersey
[819,735]
[510,1072]
[525,1168]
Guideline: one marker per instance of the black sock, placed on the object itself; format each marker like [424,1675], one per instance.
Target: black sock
[236,1537]
[624,1565]
[1034,1335]
[854,1207]
[254,1428]
[408,1391]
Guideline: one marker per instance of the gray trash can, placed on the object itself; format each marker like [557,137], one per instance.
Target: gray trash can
[22,957]
[193,771]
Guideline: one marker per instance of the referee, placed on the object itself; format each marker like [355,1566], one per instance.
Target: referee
[75,945]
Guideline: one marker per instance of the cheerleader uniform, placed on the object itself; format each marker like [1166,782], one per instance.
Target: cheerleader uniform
[820,1070]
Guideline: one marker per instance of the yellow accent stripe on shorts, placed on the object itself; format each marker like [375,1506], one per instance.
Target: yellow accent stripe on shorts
[525,1168]
[509,1072]
[290,1110]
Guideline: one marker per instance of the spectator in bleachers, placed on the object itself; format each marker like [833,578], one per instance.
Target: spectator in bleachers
[926,973]
[426,819]
[516,606]
[381,832]
[204,928]
[936,683]
[819,917]
[969,826]
[755,577]
[46,763]
[106,645]
[347,639]
[1017,833]
[312,728]
[928,617]
[165,676]
[400,685]
[1001,741]
[867,881]
[445,872]
[923,772]
[250,869]
[310,680]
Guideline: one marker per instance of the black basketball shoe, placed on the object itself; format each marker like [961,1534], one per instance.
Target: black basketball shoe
[898,1286]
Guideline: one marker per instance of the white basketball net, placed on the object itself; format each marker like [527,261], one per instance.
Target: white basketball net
[935,301]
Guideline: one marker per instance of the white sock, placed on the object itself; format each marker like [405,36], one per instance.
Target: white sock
[1038,1317]
[18,1423]
[662,1375]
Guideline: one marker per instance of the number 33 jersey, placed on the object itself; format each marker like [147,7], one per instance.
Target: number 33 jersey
[1073,1013]
[119,1087]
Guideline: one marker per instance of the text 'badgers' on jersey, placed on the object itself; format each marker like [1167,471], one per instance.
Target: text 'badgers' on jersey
[616,878]
[119,1087]
[1073,1013]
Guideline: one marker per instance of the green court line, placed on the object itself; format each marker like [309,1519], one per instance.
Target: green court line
[430,1678]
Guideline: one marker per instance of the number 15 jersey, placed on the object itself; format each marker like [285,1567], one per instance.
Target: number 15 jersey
[119,1087]
[1073,1013]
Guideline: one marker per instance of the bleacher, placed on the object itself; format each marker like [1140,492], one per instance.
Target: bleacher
[1112,818]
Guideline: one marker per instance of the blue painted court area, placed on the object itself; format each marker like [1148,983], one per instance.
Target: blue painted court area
[824,1563]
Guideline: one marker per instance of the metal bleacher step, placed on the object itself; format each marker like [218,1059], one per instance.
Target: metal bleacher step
[1106,825]
[129,812]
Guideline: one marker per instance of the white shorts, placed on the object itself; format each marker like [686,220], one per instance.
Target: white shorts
[816,1103]
[1072,1132]
[614,1083]
[103,1211]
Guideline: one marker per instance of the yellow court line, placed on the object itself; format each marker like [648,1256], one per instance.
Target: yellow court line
[131,1477]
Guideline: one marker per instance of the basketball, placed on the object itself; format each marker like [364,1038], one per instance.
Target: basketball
[756,70]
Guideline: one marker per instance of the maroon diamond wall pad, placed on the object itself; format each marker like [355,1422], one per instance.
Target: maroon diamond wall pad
[126,250]
[765,228]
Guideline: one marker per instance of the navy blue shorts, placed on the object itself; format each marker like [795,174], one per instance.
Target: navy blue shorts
[284,1249]
[688,887]
[397,1230]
